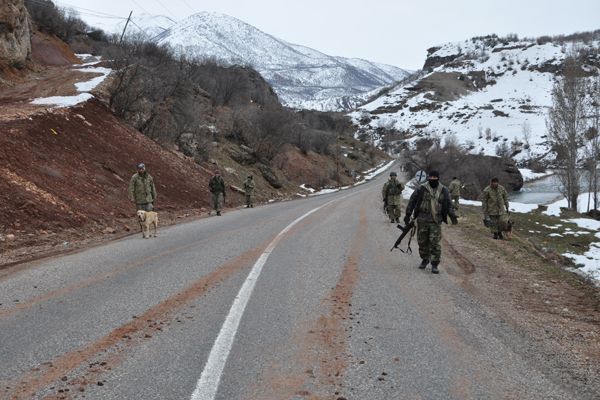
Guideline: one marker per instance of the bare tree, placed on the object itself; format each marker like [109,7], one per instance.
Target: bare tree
[566,124]
[271,129]
[488,134]
[526,131]
[592,144]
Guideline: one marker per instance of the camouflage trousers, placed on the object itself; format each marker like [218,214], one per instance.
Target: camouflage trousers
[217,201]
[144,206]
[429,235]
[498,223]
[249,200]
[394,211]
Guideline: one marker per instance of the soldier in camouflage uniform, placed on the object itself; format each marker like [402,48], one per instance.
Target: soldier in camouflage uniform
[249,191]
[495,207]
[216,186]
[392,197]
[431,206]
[141,189]
[454,189]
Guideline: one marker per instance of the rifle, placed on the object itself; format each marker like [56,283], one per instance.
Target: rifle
[410,228]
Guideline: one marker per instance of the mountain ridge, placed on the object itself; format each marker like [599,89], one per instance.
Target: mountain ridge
[303,77]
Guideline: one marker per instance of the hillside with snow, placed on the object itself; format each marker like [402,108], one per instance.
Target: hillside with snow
[484,92]
[302,77]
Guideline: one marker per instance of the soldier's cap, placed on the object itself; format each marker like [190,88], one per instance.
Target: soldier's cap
[393,173]
[434,174]
[141,166]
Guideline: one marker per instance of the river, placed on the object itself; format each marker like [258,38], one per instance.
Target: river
[543,191]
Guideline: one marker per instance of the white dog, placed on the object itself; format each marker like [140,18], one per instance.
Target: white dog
[148,219]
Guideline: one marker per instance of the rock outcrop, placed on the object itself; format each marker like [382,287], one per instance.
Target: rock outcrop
[15,32]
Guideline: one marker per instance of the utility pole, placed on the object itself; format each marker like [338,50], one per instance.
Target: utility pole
[126,23]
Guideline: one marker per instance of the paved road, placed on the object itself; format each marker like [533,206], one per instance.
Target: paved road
[296,300]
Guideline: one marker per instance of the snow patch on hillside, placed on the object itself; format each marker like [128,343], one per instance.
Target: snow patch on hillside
[83,87]
[486,97]
[554,209]
[63,101]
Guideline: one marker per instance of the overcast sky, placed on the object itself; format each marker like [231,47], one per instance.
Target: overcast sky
[396,32]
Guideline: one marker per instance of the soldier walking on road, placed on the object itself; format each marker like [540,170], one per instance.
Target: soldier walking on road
[431,206]
[249,191]
[216,186]
[495,208]
[392,197]
[141,189]
[454,188]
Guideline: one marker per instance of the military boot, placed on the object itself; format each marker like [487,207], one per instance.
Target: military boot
[500,237]
[495,236]
[423,264]
[434,268]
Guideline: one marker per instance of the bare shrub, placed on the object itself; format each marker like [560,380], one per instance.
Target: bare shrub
[53,20]
[503,150]
[488,134]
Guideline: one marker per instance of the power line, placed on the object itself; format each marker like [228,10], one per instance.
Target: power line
[139,6]
[98,14]
[140,28]
[190,7]
[87,9]
[85,12]
[163,6]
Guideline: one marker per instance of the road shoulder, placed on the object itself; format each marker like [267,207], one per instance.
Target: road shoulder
[554,309]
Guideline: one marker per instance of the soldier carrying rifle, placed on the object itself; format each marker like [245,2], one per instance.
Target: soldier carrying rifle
[430,204]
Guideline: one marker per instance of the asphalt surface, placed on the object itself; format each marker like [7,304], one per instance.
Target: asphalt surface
[333,314]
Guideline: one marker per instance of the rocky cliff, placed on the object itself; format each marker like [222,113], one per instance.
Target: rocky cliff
[15,32]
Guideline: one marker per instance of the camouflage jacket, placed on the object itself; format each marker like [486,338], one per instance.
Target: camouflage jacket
[216,185]
[392,192]
[249,186]
[495,201]
[454,188]
[431,205]
[141,188]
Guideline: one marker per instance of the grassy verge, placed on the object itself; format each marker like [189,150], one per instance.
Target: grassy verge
[535,235]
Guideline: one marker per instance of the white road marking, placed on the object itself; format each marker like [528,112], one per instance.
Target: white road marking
[206,388]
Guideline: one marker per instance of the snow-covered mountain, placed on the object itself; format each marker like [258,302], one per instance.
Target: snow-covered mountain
[301,76]
[483,92]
